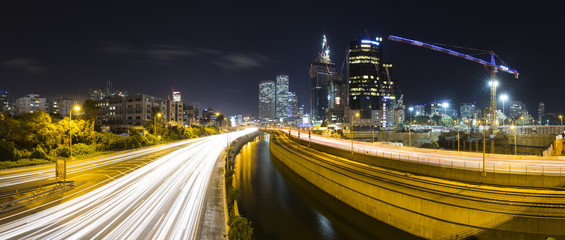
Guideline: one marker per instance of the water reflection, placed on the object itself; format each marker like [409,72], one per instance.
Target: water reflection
[282,205]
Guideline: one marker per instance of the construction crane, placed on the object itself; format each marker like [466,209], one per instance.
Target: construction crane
[492,65]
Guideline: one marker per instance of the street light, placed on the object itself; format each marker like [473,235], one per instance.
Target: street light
[484,140]
[503,97]
[411,109]
[561,118]
[158,115]
[76,108]
[351,130]
[445,105]
[515,129]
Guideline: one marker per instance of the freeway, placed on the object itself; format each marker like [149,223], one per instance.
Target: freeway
[455,159]
[22,177]
[162,199]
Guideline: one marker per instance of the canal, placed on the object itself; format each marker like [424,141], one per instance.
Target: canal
[282,205]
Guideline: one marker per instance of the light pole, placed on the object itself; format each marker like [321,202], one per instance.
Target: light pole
[445,105]
[561,118]
[503,97]
[351,130]
[158,115]
[409,137]
[76,108]
[515,149]
[484,141]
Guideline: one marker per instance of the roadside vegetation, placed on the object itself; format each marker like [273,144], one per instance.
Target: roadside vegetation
[239,227]
[39,138]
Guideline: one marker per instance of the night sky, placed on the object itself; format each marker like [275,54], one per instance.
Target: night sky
[216,53]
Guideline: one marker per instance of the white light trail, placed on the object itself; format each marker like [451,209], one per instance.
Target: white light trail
[161,200]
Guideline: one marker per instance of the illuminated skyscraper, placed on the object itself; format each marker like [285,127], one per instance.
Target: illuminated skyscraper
[325,84]
[370,80]
[281,96]
[267,99]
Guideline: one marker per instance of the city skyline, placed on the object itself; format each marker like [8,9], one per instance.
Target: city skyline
[46,55]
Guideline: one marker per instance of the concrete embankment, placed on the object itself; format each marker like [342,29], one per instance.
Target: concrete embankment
[534,177]
[428,207]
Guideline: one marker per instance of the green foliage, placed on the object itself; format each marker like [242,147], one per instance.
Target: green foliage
[240,229]
[446,121]
[22,163]
[83,149]
[7,151]
[38,153]
[210,131]
[525,119]
[63,151]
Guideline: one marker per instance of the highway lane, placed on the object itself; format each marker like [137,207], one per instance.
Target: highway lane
[463,160]
[162,199]
[30,176]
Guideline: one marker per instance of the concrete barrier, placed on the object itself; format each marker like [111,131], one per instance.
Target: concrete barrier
[417,206]
[472,174]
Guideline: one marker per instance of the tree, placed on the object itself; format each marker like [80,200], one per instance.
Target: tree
[501,117]
[240,229]
[446,121]
[90,110]
[525,119]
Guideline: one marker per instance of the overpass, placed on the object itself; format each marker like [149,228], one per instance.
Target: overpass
[434,194]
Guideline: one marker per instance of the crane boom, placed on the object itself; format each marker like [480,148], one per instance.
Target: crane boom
[491,64]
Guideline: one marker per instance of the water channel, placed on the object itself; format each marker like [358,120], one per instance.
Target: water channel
[282,205]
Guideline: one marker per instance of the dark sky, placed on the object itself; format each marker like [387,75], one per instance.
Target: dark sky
[216,53]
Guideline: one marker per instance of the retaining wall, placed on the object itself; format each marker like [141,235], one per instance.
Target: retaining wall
[416,210]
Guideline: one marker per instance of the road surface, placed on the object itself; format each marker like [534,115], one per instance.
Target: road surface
[161,200]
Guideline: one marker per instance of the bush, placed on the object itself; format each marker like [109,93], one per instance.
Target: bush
[7,151]
[38,153]
[240,229]
[63,151]
[83,149]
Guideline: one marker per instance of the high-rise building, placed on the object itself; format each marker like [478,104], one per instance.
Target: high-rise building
[175,113]
[267,100]
[292,105]
[325,84]
[59,106]
[30,103]
[420,110]
[517,109]
[190,114]
[281,96]
[97,94]
[6,104]
[364,71]
[541,111]
[467,110]
[130,111]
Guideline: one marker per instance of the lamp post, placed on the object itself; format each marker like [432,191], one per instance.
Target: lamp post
[561,118]
[411,109]
[503,97]
[515,129]
[484,141]
[158,115]
[76,108]
[351,130]
[409,137]
[445,105]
